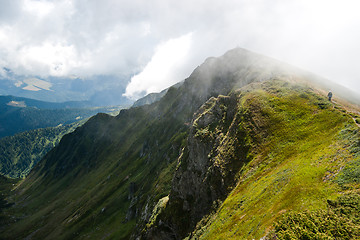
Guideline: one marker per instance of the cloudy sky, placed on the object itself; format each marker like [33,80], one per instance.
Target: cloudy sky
[159,42]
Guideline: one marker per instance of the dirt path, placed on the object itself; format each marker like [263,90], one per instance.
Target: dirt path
[355,115]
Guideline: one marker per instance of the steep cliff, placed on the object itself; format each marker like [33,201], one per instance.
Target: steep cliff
[267,149]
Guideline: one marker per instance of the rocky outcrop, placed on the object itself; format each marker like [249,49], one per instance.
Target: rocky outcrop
[218,142]
[218,145]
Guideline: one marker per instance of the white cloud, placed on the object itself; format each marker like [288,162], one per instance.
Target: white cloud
[164,68]
[38,8]
[85,38]
[55,59]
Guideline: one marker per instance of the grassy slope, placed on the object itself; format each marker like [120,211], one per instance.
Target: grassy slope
[294,167]
[6,185]
[81,188]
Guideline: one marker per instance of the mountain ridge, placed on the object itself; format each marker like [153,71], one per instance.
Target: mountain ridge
[129,176]
[220,157]
[5,99]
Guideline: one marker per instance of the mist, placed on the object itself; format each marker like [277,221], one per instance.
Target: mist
[159,43]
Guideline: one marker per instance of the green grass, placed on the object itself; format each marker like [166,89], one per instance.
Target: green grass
[339,221]
[349,176]
[297,156]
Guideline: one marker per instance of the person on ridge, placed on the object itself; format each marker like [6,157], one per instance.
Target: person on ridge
[329,95]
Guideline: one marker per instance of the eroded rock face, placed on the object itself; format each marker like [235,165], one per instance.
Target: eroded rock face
[216,149]
[191,183]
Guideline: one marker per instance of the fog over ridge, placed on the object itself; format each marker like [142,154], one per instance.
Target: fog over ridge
[86,38]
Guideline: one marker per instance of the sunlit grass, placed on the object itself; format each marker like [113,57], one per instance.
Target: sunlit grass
[288,170]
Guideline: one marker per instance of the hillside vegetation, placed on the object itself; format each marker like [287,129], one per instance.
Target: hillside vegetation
[245,146]
[21,152]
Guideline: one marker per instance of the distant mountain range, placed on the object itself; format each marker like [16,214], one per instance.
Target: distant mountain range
[102,90]
[21,102]
[22,114]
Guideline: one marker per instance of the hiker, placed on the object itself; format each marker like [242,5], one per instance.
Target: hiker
[330,95]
